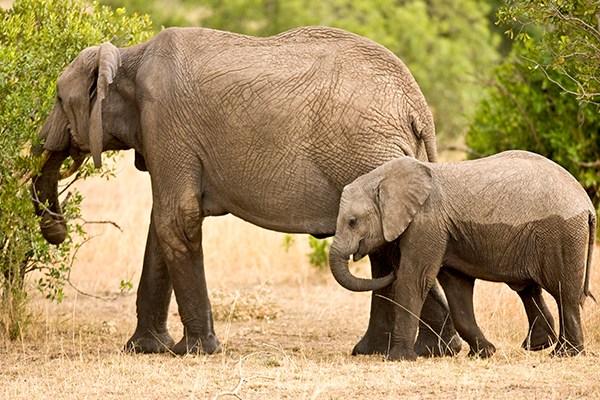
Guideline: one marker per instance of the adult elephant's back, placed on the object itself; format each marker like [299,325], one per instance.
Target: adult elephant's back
[284,122]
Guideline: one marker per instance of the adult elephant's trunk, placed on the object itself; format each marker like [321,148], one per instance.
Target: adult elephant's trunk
[44,190]
[338,262]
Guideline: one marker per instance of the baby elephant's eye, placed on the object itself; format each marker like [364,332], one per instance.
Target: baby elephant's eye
[352,222]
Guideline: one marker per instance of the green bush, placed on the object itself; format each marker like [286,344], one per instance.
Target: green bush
[541,96]
[38,38]
[565,37]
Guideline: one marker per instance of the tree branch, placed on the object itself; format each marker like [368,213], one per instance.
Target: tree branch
[86,222]
[577,21]
[589,164]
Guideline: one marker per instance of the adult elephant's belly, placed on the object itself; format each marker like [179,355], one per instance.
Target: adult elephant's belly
[287,192]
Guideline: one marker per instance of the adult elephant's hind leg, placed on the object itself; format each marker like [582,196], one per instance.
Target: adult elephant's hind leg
[153,298]
[437,335]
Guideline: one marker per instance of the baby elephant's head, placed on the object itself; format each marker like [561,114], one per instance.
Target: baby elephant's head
[374,209]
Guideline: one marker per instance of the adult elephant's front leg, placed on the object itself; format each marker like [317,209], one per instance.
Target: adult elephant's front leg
[381,319]
[178,218]
[443,340]
[153,298]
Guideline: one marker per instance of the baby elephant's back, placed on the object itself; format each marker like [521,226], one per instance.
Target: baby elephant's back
[520,187]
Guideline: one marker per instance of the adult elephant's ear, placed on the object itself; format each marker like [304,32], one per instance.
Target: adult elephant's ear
[401,193]
[109,61]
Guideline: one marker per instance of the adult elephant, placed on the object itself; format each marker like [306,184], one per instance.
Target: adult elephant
[267,129]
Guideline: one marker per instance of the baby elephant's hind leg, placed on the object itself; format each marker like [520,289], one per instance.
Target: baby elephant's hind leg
[562,277]
[541,333]
[459,293]
[570,339]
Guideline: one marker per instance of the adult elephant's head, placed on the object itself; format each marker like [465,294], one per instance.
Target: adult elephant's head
[374,209]
[74,127]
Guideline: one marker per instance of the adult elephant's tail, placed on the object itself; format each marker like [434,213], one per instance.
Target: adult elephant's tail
[425,130]
[588,264]
[430,143]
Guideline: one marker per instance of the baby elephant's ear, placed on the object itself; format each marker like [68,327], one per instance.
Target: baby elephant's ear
[401,193]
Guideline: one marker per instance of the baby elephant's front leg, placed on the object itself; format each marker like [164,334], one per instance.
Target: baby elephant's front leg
[411,286]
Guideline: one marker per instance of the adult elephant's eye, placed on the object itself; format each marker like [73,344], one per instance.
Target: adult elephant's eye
[352,222]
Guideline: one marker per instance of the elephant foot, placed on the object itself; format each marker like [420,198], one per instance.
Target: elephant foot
[484,350]
[372,344]
[567,350]
[398,353]
[432,346]
[190,344]
[539,339]
[149,342]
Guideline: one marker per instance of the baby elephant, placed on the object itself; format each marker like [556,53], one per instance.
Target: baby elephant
[514,217]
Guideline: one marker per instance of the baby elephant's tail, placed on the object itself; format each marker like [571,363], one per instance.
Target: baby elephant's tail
[592,238]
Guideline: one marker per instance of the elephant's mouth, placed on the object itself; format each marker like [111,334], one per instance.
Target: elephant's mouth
[357,256]
[359,253]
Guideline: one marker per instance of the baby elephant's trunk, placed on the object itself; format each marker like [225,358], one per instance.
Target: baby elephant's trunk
[338,262]
[592,238]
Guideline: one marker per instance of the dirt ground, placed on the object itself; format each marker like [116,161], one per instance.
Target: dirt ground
[286,328]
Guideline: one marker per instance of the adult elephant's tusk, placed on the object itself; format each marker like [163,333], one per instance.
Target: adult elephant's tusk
[45,156]
[29,174]
[64,174]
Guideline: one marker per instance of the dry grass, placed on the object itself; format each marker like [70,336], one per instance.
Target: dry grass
[286,329]
[251,304]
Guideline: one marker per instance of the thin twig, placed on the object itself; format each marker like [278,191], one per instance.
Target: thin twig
[108,222]
[583,96]
[43,206]
[66,200]
[235,392]
[71,268]
[77,176]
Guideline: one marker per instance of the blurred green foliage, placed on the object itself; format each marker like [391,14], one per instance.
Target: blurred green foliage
[318,256]
[287,241]
[38,38]
[541,97]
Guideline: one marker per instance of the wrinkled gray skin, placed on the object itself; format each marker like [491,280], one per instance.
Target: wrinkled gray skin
[267,129]
[515,217]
